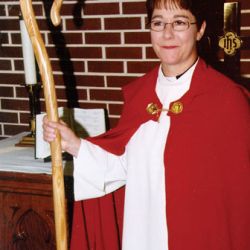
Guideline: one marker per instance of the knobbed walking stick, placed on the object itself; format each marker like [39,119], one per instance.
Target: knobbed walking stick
[51,109]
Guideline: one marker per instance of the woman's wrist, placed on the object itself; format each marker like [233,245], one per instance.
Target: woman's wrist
[73,147]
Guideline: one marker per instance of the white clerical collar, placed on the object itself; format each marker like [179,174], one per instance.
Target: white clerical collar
[170,88]
[187,75]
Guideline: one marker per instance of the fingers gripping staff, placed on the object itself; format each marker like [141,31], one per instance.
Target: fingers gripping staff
[51,108]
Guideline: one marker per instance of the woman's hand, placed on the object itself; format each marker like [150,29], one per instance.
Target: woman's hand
[70,142]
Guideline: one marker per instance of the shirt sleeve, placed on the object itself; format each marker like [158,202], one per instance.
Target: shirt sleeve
[97,172]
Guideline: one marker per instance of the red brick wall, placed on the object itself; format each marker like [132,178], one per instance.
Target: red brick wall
[102,45]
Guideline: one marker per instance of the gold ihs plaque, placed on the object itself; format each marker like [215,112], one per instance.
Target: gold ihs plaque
[230,42]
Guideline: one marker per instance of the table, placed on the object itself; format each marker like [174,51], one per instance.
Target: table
[26,203]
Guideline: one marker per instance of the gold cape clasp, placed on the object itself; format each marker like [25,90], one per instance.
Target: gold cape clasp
[176,108]
[152,108]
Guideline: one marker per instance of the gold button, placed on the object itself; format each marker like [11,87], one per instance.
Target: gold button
[152,108]
[176,107]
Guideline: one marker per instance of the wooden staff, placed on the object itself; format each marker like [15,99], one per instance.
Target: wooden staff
[55,12]
[51,109]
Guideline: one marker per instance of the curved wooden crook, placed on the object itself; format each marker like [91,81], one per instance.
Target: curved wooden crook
[51,109]
[55,12]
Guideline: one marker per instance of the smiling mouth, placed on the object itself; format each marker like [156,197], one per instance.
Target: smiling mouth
[169,47]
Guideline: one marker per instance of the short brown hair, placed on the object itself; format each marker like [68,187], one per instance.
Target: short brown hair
[197,7]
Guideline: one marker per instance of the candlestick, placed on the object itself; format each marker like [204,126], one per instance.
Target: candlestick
[33,91]
[30,84]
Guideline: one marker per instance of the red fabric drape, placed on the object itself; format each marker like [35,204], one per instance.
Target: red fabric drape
[98,223]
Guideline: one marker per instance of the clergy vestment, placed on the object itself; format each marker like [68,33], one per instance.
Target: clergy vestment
[206,173]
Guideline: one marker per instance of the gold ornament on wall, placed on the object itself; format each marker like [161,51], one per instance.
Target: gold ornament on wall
[230,43]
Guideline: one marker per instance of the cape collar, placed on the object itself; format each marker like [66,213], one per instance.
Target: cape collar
[198,82]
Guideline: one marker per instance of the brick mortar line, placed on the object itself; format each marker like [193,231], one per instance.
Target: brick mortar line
[88,101]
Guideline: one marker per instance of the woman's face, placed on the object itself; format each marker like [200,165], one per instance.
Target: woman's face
[176,49]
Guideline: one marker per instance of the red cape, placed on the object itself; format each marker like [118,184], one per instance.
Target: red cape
[206,163]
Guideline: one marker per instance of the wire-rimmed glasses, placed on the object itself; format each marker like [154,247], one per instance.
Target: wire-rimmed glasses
[177,25]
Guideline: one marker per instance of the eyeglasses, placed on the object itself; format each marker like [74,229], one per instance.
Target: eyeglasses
[177,25]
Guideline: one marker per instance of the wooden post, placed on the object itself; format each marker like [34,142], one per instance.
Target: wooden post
[232,24]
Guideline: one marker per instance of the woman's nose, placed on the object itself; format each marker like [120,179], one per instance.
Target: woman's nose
[168,30]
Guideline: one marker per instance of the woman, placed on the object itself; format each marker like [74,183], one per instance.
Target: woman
[181,149]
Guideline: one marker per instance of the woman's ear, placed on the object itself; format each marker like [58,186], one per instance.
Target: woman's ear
[201,32]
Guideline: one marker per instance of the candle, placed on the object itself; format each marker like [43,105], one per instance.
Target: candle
[28,56]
